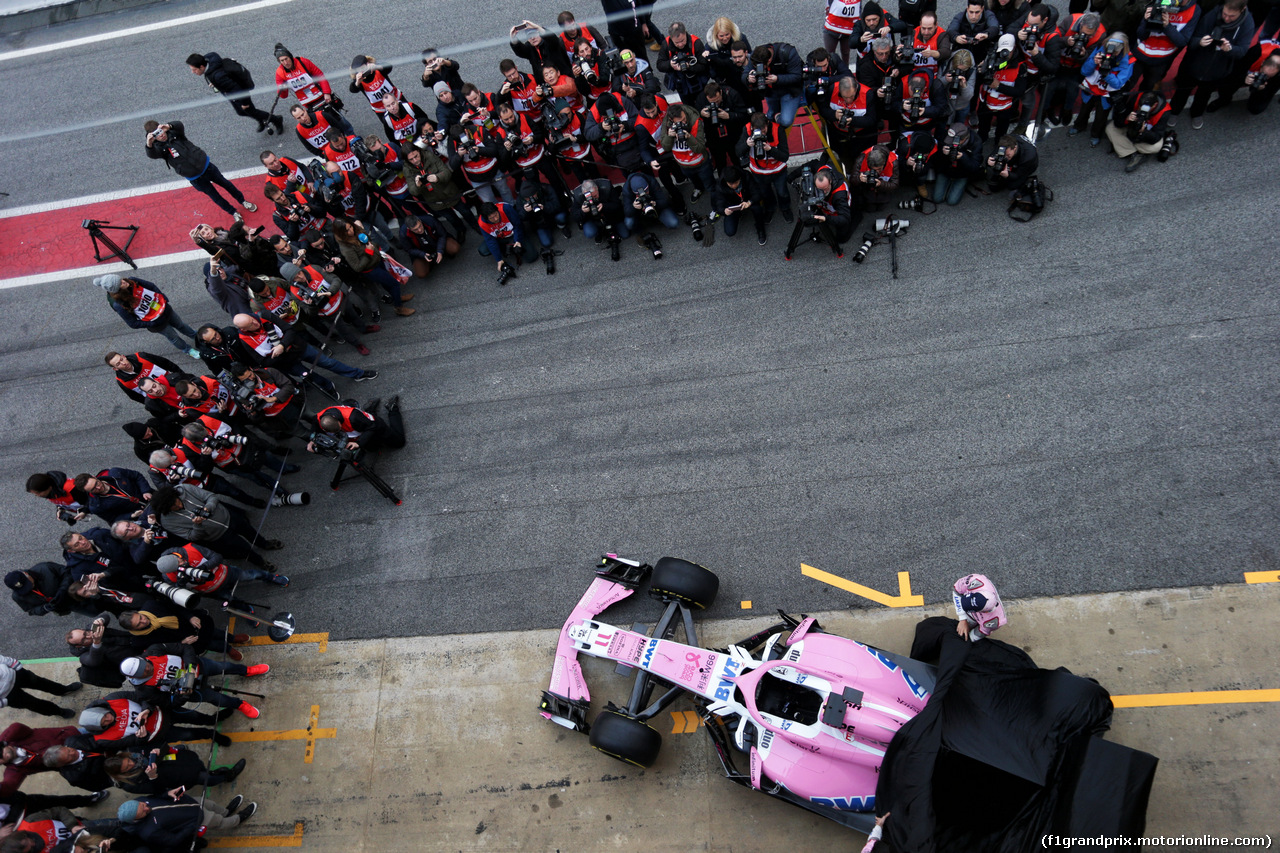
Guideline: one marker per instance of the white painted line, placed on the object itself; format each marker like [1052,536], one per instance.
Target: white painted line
[101,269]
[133,31]
[118,194]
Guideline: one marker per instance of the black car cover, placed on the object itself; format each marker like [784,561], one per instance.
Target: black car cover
[1005,752]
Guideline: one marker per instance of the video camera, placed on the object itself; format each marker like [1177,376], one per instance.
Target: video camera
[240,391]
[613,61]
[812,200]
[333,446]
[321,179]
[907,56]
[377,172]
[1158,7]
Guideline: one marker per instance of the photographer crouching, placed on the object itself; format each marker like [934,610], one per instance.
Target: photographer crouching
[1013,164]
[358,430]
[202,570]
[826,206]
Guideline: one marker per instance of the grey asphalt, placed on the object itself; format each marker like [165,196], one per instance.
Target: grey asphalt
[1084,403]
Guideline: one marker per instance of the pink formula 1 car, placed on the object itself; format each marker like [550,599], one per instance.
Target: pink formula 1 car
[794,712]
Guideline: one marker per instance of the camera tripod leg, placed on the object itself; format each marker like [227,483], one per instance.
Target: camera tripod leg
[337,475]
[795,239]
[377,482]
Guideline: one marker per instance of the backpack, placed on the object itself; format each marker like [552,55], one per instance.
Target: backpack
[237,72]
[1030,199]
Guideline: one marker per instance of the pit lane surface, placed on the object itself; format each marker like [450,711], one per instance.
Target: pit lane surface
[1085,403]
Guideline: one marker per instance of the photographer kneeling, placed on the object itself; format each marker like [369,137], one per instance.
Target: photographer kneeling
[269,397]
[1012,165]
[362,429]
[201,570]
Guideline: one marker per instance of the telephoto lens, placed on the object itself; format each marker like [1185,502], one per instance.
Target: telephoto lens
[505,274]
[291,499]
[911,204]
[861,255]
[653,244]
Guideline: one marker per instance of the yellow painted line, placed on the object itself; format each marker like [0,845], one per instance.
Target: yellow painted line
[1262,577]
[287,734]
[1204,697]
[904,598]
[322,641]
[294,840]
[746,605]
[311,741]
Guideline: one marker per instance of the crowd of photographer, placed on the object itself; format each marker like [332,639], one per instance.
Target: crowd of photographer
[154,559]
[604,135]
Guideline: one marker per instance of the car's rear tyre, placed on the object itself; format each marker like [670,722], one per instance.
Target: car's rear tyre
[626,739]
[686,582]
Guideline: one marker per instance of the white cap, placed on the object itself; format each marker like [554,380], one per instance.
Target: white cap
[131,667]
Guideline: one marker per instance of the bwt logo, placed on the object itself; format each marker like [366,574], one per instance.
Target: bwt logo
[847,804]
[648,653]
[725,688]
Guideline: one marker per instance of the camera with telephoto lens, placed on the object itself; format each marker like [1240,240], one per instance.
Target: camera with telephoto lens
[178,473]
[695,226]
[645,198]
[532,206]
[518,148]
[761,72]
[758,143]
[1000,160]
[1106,62]
[191,574]
[861,254]
[891,226]
[817,78]
[1077,46]
[682,133]
[225,442]
[1031,34]
[653,244]
[713,114]
[178,595]
[986,74]
[589,74]
[914,108]
[911,204]
[1169,147]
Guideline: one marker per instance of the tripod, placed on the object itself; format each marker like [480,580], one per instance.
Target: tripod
[818,233]
[102,241]
[353,459]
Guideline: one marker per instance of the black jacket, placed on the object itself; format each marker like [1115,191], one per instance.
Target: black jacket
[1210,64]
[169,825]
[88,773]
[221,78]
[179,153]
[786,65]
[49,594]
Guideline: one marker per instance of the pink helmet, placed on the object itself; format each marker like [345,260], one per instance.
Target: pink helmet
[976,600]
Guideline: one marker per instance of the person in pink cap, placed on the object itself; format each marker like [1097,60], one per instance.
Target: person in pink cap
[978,607]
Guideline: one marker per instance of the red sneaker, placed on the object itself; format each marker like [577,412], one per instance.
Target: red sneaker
[258,669]
[235,654]
[249,711]
[371,328]
[362,349]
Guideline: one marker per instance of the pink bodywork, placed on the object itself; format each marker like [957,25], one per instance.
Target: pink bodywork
[833,765]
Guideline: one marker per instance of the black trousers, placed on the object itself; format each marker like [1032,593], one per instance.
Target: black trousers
[28,680]
[244,107]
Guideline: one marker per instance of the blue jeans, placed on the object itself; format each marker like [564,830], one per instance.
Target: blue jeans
[310,353]
[783,107]
[701,175]
[948,189]
[240,573]
[209,670]
[666,216]
[204,182]
[379,276]
[590,230]
[170,325]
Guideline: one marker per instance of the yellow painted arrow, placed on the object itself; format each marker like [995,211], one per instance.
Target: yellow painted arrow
[904,598]
[1262,577]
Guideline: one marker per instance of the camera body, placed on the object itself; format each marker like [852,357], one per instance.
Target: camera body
[1001,160]
[66,514]
[645,198]
[761,72]
[907,56]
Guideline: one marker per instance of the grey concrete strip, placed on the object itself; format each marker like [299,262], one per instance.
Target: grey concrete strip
[437,744]
[20,15]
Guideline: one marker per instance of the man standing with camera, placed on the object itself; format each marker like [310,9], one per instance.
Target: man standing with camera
[776,72]
[1222,37]
[195,515]
[168,142]
[1166,28]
